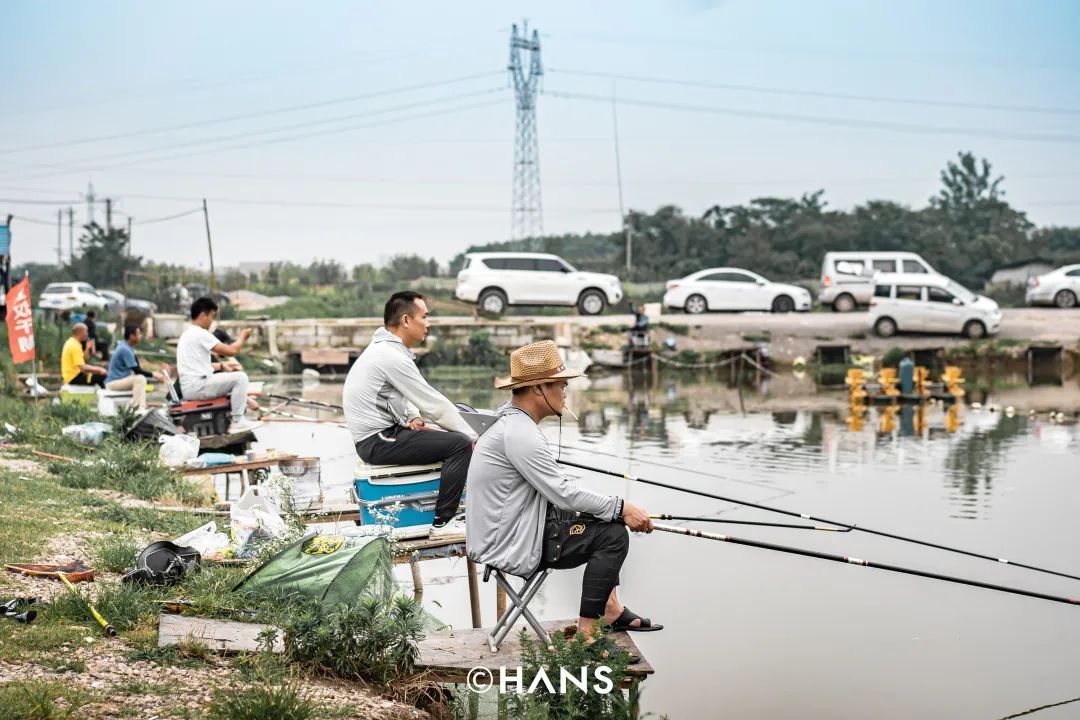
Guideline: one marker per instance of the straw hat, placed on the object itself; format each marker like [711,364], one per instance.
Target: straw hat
[535,364]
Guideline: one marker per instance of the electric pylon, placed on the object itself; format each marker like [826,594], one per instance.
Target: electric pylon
[526,213]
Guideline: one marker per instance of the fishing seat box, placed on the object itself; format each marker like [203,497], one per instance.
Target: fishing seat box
[79,395]
[203,417]
[379,488]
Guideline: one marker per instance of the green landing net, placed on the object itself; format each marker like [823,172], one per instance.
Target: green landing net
[330,569]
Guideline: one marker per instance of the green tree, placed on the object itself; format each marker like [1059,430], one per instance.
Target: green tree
[103,257]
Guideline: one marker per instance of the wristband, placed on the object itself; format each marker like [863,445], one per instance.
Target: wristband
[618,508]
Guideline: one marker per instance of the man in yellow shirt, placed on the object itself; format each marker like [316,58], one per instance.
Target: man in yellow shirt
[73,366]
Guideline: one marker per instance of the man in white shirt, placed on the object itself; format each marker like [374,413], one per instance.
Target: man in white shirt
[201,379]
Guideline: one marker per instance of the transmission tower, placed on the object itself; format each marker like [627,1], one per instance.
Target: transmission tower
[526,213]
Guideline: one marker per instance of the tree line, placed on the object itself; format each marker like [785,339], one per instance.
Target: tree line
[966,231]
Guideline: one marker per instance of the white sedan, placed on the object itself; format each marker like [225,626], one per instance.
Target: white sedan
[1059,287]
[733,289]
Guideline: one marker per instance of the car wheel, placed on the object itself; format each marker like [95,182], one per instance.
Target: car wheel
[591,302]
[974,329]
[492,302]
[843,303]
[695,305]
[783,304]
[1065,299]
[885,327]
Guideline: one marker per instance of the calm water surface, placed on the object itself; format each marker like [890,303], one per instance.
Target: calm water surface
[755,634]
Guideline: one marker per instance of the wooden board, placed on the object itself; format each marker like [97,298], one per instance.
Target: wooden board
[219,635]
[450,654]
[239,466]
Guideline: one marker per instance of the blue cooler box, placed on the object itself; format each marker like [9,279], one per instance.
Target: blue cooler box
[416,487]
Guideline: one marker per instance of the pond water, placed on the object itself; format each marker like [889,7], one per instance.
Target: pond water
[757,634]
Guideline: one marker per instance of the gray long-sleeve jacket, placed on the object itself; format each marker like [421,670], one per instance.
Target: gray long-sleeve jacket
[385,388]
[513,478]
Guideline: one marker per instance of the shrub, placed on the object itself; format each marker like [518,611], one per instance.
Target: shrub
[260,702]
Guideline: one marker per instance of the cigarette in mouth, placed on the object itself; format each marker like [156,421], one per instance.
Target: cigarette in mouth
[566,408]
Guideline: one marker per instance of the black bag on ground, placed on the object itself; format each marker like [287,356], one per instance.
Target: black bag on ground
[162,563]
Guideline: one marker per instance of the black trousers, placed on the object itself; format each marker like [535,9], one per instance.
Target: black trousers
[401,446]
[81,379]
[599,545]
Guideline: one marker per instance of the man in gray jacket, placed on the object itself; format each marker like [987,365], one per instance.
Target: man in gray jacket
[387,401]
[523,513]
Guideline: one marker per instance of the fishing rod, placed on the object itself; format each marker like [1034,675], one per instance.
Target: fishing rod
[751,522]
[864,563]
[812,518]
[302,401]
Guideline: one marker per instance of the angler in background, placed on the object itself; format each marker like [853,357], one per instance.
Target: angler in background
[387,403]
[125,373]
[73,366]
[201,379]
[524,513]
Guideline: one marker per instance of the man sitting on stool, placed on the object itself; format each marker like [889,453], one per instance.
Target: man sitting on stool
[125,373]
[524,514]
[386,400]
[201,379]
[73,366]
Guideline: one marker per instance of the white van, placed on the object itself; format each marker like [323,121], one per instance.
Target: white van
[923,302]
[847,278]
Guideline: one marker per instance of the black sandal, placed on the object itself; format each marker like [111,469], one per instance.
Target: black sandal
[628,616]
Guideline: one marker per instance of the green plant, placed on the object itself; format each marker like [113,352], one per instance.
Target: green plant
[114,553]
[37,700]
[261,702]
[893,356]
[374,638]
[132,468]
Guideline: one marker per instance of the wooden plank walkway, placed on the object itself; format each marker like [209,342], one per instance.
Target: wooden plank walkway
[448,655]
[219,635]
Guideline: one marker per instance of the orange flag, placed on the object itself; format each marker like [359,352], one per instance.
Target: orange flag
[20,322]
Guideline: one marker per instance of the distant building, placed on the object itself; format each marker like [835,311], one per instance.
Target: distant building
[253,268]
[1019,272]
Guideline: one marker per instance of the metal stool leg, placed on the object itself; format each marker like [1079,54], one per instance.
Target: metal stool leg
[518,607]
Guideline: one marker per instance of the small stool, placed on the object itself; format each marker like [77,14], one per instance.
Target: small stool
[518,607]
[109,401]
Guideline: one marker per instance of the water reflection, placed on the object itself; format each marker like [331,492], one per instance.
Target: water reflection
[792,431]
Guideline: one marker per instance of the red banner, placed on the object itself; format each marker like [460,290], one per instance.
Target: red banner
[20,322]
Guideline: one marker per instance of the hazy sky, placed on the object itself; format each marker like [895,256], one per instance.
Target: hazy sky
[427,169]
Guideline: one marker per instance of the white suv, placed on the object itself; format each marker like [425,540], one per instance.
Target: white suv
[71,295]
[930,303]
[495,280]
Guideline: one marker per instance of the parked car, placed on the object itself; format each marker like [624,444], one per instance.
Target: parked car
[497,280]
[1059,287]
[71,295]
[117,302]
[733,289]
[905,302]
[847,278]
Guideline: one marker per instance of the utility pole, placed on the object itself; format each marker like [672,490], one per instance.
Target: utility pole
[618,177]
[59,237]
[90,203]
[71,231]
[210,245]
[129,237]
[526,214]
[108,215]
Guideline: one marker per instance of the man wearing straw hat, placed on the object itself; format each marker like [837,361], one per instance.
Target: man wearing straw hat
[523,513]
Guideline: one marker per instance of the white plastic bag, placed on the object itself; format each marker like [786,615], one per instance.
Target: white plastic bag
[207,540]
[88,433]
[254,517]
[178,449]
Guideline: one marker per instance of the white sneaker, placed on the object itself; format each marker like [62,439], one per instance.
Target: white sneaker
[455,529]
[243,425]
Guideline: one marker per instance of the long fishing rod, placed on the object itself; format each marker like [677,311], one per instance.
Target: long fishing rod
[812,518]
[302,401]
[751,522]
[864,563]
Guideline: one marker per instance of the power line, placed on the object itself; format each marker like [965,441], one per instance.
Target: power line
[27,201]
[35,221]
[151,221]
[821,94]
[245,116]
[266,131]
[826,121]
[271,141]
